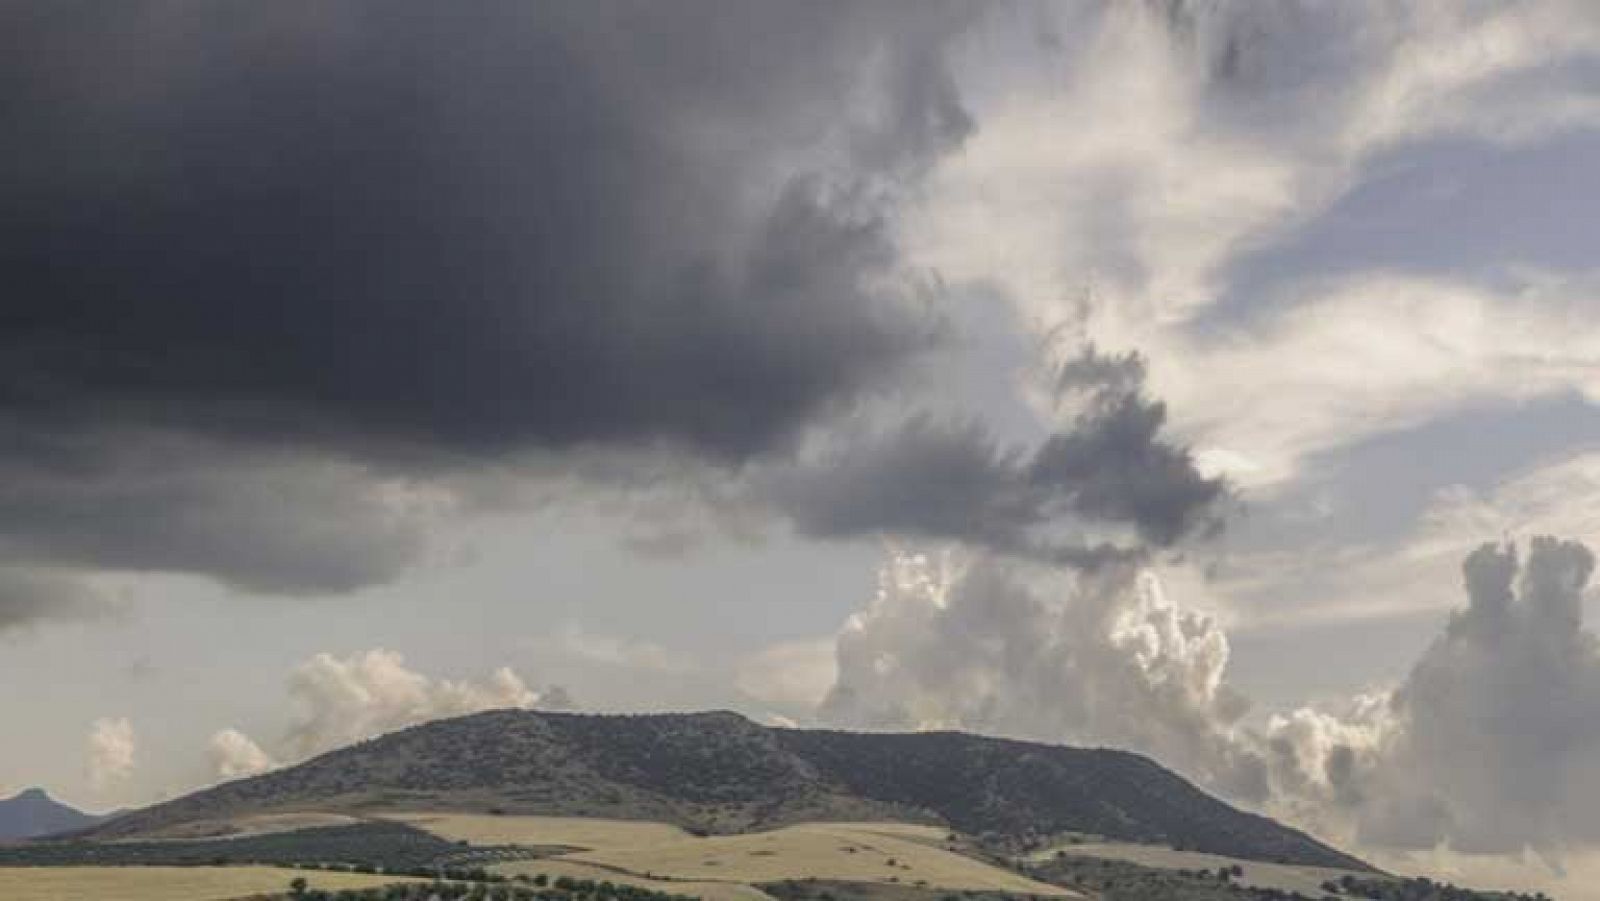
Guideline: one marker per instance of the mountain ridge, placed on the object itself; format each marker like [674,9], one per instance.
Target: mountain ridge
[720,772]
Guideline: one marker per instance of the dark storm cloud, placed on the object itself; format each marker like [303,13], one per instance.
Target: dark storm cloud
[29,595]
[926,478]
[1115,464]
[262,262]
[267,522]
[472,226]
[954,481]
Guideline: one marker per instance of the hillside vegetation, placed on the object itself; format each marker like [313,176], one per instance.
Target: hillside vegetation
[721,773]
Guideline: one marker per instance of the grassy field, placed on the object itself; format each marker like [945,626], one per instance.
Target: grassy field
[889,853]
[573,832]
[165,883]
[848,852]
[555,868]
[1306,880]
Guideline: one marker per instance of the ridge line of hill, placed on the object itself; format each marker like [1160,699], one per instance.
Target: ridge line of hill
[718,772]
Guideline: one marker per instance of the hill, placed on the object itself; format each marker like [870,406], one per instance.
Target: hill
[721,773]
[34,813]
[978,784]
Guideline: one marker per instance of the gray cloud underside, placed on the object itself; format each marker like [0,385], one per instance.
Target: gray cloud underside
[30,595]
[475,227]
[953,480]
[268,266]
[264,264]
[281,523]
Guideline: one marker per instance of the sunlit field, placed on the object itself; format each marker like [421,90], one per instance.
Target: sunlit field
[167,883]
[855,852]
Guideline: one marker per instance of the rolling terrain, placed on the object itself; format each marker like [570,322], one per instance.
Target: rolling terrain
[720,773]
[565,807]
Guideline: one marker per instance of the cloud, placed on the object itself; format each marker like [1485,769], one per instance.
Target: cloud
[341,258]
[339,701]
[111,750]
[931,479]
[1412,573]
[790,675]
[397,260]
[463,229]
[1221,131]
[1097,657]
[234,754]
[30,595]
[1489,745]
[621,651]
[1361,355]
[276,522]
[1498,724]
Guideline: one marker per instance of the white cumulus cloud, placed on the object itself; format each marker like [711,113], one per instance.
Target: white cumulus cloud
[234,754]
[111,750]
[1088,657]
[1489,745]
[792,675]
[339,701]
[1493,744]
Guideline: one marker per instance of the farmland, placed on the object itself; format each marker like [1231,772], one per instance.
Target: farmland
[166,883]
[540,831]
[889,853]
[820,850]
[707,890]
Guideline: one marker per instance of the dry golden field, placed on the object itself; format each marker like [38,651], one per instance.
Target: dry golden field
[165,883]
[842,851]
[666,857]
[576,832]
[706,890]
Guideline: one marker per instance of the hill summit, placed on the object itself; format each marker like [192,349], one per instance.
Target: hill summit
[33,813]
[719,772]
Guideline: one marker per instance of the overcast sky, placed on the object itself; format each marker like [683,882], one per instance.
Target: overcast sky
[1197,378]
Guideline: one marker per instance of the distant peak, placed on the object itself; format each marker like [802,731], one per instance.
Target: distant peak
[32,794]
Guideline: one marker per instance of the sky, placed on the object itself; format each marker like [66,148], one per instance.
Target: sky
[1213,380]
